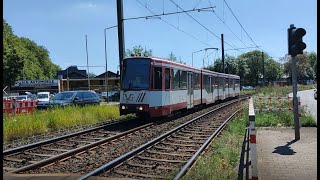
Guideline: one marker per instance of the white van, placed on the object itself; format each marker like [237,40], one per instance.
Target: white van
[43,96]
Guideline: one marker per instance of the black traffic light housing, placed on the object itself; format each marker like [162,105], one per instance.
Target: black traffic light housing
[295,43]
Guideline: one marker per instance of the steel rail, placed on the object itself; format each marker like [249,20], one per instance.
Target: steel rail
[45,142]
[75,151]
[185,168]
[143,147]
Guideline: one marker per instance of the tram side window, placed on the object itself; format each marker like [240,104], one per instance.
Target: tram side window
[217,83]
[176,79]
[183,80]
[233,85]
[196,81]
[206,81]
[212,83]
[167,78]
[222,83]
[237,85]
[226,83]
[157,78]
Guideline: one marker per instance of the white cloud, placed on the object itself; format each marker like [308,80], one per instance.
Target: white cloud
[85,5]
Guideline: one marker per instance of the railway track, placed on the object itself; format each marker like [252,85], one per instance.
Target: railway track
[75,150]
[171,153]
[45,152]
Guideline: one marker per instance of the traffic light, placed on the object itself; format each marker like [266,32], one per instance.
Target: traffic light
[295,44]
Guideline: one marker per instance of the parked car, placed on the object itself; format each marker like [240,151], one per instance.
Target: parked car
[43,96]
[26,97]
[104,95]
[248,88]
[115,97]
[68,98]
[315,94]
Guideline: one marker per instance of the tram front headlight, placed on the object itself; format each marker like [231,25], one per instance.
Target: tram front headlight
[140,108]
[123,107]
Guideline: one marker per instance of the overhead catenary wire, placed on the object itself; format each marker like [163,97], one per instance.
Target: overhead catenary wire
[173,25]
[197,4]
[203,26]
[227,26]
[240,23]
[171,13]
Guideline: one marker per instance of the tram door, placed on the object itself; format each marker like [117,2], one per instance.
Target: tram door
[190,89]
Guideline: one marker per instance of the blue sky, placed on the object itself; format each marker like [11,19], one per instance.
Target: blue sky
[61,26]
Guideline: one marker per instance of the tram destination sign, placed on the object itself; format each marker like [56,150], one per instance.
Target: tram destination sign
[36,83]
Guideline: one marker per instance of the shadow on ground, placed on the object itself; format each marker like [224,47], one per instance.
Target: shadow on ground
[286,149]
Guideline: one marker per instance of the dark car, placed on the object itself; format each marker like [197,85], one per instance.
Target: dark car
[315,94]
[115,97]
[68,98]
[104,95]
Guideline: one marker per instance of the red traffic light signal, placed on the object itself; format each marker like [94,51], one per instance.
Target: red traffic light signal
[295,43]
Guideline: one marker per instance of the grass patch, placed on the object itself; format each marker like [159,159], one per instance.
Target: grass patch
[282,119]
[41,122]
[280,90]
[220,163]
[279,119]
[244,92]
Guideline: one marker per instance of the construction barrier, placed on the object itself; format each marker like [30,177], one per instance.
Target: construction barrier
[290,109]
[18,107]
[252,140]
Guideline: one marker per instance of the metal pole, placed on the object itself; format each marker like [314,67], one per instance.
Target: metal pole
[295,99]
[263,68]
[222,51]
[105,53]
[68,77]
[192,59]
[87,63]
[120,36]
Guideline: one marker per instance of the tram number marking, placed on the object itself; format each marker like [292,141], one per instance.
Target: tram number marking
[128,98]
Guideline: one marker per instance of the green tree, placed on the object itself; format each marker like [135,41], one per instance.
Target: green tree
[254,63]
[138,51]
[92,75]
[302,68]
[272,70]
[312,61]
[12,60]
[24,59]
[216,67]
[172,57]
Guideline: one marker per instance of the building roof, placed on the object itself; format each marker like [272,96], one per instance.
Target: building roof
[72,72]
[110,74]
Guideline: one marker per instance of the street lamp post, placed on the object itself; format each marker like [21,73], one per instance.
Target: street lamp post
[87,63]
[105,53]
[200,51]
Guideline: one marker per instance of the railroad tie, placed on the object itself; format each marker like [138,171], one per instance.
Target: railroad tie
[170,154]
[139,174]
[162,160]
[150,166]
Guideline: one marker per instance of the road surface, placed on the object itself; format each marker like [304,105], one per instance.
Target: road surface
[308,102]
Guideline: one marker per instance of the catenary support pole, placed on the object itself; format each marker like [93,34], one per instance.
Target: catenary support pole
[222,51]
[120,36]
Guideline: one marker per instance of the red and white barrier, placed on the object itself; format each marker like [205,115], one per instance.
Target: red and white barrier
[253,141]
[18,107]
[280,109]
[274,98]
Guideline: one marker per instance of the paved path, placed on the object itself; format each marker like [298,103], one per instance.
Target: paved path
[280,157]
[308,101]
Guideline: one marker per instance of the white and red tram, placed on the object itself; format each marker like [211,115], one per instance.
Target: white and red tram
[157,87]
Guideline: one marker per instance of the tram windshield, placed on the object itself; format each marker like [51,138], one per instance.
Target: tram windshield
[135,74]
